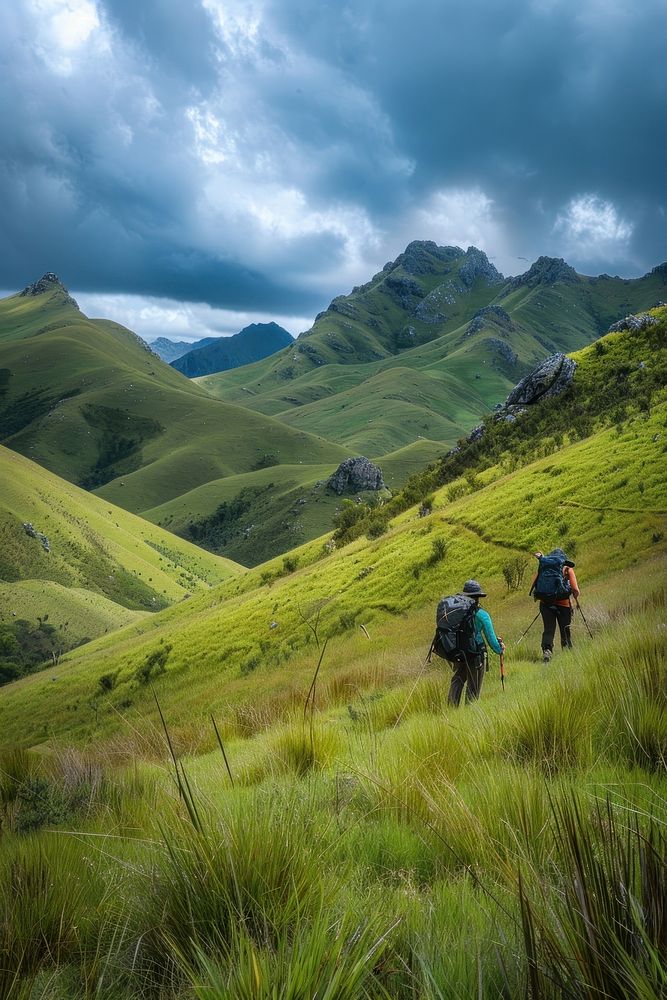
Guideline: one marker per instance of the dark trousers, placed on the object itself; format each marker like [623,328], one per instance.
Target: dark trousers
[553,614]
[468,674]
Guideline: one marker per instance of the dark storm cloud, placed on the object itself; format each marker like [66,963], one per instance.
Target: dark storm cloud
[269,157]
[534,102]
[178,38]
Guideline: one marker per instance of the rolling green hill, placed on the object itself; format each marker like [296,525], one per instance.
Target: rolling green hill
[83,561]
[419,354]
[263,789]
[469,333]
[86,399]
[601,494]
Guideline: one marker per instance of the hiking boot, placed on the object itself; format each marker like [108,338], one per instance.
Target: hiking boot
[546,655]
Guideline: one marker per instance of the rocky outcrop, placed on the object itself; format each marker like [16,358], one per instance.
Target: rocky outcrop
[503,350]
[420,257]
[406,292]
[546,271]
[477,265]
[29,530]
[355,475]
[550,378]
[49,282]
[490,316]
[641,321]
[432,308]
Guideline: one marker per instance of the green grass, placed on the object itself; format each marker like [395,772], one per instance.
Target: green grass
[228,634]
[359,838]
[104,566]
[538,868]
[87,400]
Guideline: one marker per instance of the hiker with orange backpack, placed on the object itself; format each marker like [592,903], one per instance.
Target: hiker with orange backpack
[553,586]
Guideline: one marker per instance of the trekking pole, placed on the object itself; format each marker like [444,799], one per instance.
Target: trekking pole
[528,629]
[502,664]
[585,622]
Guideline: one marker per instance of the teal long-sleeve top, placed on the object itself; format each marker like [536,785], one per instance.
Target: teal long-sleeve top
[484,630]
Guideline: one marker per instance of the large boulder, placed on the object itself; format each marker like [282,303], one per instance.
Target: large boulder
[550,378]
[355,475]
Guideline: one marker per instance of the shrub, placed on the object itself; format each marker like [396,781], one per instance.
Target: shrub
[439,549]
[290,563]
[107,682]
[154,664]
[514,572]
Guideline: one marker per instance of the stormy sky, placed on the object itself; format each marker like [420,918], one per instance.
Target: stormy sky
[190,167]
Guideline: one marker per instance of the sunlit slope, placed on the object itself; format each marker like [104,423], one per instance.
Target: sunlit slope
[272,510]
[77,614]
[607,504]
[549,308]
[101,560]
[86,399]
[392,409]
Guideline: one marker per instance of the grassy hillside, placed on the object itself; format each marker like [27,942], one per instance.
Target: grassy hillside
[87,399]
[448,314]
[602,497]
[96,566]
[353,822]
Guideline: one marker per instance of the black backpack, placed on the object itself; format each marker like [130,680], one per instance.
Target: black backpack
[550,584]
[454,638]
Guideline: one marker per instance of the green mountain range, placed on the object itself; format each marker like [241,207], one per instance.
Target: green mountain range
[595,487]
[398,371]
[253,343]
[87,400]
[432,342]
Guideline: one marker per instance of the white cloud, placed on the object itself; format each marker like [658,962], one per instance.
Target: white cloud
[154,317]
[458,217]
[592,226]
[62,28]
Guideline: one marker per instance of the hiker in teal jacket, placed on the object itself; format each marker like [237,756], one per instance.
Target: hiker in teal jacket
[471,672]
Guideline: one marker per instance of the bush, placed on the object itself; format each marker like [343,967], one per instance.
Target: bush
[514,572]
[154,664]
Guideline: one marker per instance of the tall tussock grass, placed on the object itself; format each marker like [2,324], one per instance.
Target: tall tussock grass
[251,869]
[323,958]
[598,926]
[388,846]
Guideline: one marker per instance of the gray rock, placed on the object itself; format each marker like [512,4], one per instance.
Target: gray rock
[49,282]
[420,257]
[490,316]
[550,378]
[503,349]
[640,321]
[356,474]
[406,292]
[478,265]
[546,271]
[430,310]
[29,530]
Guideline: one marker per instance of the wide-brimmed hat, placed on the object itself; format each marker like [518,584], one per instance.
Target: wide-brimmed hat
[473,589]
[559,554]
